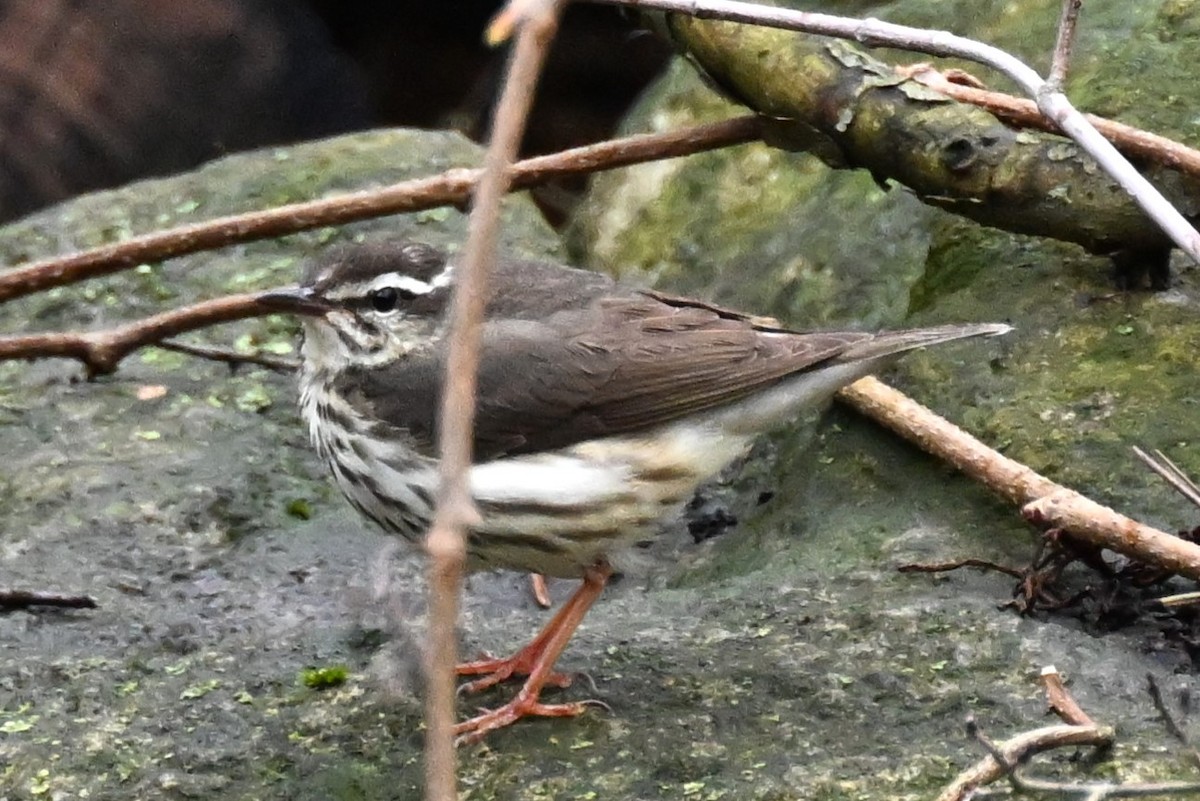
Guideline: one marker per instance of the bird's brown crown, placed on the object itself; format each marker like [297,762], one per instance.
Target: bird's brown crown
[362,264]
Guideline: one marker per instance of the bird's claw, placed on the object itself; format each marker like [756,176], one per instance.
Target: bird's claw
[474,729]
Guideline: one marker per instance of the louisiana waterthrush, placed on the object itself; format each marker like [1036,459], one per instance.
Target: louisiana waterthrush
[600,409]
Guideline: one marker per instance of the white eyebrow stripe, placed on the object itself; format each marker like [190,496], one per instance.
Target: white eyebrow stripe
[443,278]
[402,282]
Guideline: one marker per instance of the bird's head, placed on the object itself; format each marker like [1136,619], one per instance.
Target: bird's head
[366,305]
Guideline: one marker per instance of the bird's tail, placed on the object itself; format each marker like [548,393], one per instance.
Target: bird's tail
[890,343]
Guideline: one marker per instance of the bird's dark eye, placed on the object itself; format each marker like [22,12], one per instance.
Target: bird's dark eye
[386,298]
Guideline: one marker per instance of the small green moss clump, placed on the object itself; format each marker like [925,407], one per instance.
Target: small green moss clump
[300,508]
[324,677]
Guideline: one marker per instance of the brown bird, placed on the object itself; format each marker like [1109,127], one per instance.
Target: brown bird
[600,409]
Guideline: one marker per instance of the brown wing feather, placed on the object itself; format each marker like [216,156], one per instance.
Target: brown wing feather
[691,358]
[620,366]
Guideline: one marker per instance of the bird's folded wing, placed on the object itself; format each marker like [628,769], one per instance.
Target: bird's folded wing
[624,365]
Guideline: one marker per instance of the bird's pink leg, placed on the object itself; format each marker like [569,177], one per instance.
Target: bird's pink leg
[536,660]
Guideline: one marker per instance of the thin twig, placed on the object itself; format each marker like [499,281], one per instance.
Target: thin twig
[230,357]
[1035,587]
[1061,60]
[453,187]
[1180,599]
[959,564]
[1171,473]
[1101,791]
[1160,705]
[1005,764]
[1169,720]
[101,351]
[12,600]
[1131,141]
[455,511]
[876,33]
[1061,701]
[1043,502]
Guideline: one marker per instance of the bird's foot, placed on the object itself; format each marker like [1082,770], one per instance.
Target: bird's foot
[536,660]
[495,671]
[526,704]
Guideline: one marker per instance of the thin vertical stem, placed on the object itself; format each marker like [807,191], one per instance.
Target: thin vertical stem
[1061,61]
[455,509]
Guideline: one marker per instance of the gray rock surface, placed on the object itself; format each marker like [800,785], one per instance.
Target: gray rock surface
[785,658]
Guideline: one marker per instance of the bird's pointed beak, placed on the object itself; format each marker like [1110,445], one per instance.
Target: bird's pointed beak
[295,300]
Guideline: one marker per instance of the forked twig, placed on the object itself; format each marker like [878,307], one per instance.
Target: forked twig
[1004,760]
[101,351]
[1002,756]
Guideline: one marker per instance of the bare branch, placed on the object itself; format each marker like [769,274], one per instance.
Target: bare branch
[1043,502]
[1005,759]
[101,351]
[453,187]
[1102,791]
[455,510]
[876,33]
